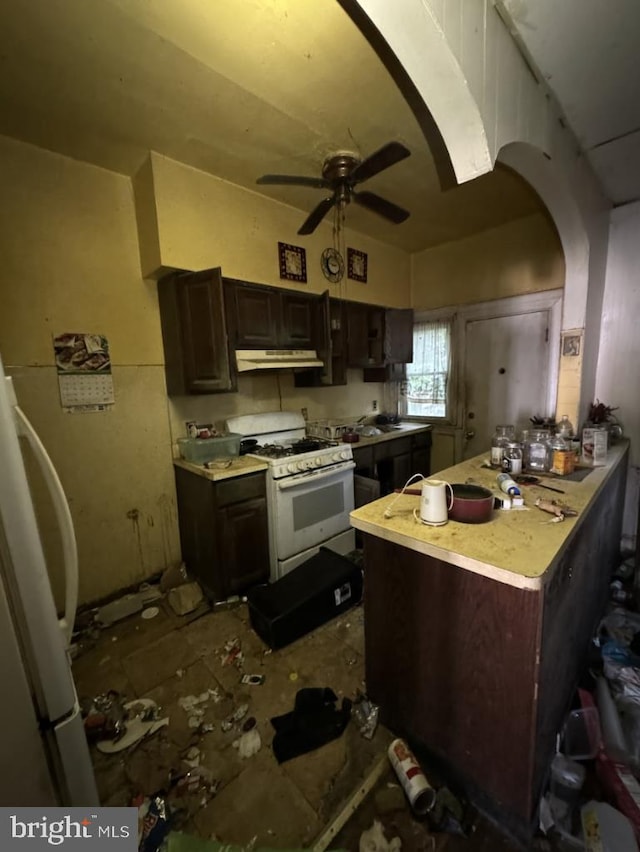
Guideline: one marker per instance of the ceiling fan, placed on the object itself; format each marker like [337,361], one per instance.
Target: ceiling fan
[340,174]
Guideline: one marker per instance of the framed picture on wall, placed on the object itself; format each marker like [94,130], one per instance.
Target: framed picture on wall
[356,265]
[293,262]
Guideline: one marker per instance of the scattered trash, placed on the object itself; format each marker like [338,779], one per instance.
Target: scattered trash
[232,653]
[173,577]
[366,715]
[231,602]
[235,717]
[184,599]
[249,723]
[253,680]
[192,757]
[249,743]
[150,612]
[154,823]
[140,722]
[118,609]
[195,706]
[554,507]
[179,672]
[605,829]
[449,814]
[420,793]
[373,840]
[389,799]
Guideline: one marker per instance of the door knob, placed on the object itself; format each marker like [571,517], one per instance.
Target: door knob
[469,435]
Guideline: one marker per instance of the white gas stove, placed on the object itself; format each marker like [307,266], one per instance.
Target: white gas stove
[309,487]
[284,444]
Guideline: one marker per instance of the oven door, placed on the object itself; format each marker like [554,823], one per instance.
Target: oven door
[311,508]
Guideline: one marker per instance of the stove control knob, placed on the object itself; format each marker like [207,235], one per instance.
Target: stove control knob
[302,465]
[317,461]
[292,468]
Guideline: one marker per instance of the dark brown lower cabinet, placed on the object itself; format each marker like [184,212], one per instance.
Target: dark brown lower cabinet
[223,531]
[479,675]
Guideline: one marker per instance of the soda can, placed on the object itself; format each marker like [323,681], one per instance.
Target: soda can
[421,795]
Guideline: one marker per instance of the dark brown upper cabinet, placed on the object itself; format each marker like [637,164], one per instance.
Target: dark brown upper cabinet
[378,336]
[194,333]
[262,317]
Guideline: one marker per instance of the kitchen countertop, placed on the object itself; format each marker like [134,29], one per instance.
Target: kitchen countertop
[240,466]
[398,431]
[515,547]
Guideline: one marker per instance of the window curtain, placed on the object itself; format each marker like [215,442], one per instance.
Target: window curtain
[428,374]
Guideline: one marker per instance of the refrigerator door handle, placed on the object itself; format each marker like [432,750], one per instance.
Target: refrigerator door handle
[65,522]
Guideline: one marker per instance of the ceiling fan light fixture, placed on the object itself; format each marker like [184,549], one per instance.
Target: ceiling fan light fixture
[341,173]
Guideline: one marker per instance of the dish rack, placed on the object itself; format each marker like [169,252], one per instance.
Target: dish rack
[333,430]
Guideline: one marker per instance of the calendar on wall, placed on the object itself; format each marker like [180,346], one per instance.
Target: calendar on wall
[84,371]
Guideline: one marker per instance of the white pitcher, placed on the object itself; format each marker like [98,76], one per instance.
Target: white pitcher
[434,507]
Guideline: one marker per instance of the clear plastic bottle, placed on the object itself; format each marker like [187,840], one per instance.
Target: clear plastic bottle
[503,435]
[565,428]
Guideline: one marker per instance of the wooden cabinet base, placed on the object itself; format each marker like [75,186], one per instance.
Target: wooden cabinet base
[480,674]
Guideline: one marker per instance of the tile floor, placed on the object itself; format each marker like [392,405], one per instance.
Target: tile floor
[282,805]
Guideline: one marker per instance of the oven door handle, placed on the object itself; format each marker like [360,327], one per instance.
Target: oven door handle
[307,478]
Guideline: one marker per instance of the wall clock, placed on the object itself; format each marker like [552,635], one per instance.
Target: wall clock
[332,265]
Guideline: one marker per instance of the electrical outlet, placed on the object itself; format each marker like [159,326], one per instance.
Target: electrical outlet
[374,405]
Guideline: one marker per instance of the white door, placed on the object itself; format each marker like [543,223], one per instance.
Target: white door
[506,375]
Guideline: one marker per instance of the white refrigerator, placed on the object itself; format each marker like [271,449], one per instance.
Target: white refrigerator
[43,749]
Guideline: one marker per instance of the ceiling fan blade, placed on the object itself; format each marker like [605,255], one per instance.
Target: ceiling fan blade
[317,215]
[294,180]
[381,206]
[386,156]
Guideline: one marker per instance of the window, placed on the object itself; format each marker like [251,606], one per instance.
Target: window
[428,376]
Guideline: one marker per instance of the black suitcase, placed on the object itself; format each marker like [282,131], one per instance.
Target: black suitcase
[321,588]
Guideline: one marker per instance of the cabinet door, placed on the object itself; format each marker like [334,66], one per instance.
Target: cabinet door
[255,315]
[398,336]
[194,333]
[357,334]
[244,544]
[403,469]
[298,320]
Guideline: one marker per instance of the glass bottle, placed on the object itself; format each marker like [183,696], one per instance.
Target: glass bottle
[512,458]
[501,438]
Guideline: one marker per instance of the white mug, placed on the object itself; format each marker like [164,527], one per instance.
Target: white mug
[434,509]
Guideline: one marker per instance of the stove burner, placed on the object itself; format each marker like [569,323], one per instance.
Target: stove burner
[303,445]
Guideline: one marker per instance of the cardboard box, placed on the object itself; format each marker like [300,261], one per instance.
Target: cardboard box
[594,446]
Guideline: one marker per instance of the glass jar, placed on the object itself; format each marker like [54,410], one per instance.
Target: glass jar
[512,458]
[503,435]
[562,456]
[538,450]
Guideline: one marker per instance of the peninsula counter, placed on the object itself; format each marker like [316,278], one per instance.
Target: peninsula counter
[475,634]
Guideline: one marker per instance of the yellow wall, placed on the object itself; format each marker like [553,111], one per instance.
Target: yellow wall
[70,262]
[520,257]
[203,221]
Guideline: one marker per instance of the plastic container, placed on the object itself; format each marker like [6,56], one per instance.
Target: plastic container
[512,458]
[200,450]
[582,735]
[565,428]
[538,450]
[567,778]
[562,456]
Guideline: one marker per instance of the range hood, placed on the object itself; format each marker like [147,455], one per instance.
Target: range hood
[276,359]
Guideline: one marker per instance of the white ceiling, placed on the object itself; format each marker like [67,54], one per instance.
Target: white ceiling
[237,88]
[587,51]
